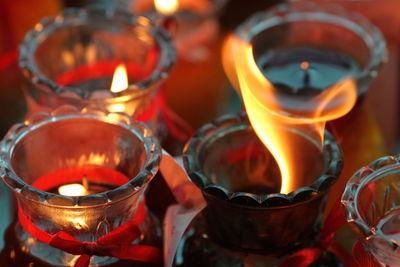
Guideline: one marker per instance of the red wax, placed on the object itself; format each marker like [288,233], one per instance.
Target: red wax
[94,174]
[105,69]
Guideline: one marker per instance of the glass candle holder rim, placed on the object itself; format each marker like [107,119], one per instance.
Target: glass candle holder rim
[374,171]
[39,119]
[197,176]
[333,14]
[80,16]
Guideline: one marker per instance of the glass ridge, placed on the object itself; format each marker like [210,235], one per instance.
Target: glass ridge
[74,17]
[18,131]
[215,129]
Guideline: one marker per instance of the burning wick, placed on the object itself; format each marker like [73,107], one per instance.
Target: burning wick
[120,79]
[119,83]
[270,114]
[74,190]
[166,7]
[305,66]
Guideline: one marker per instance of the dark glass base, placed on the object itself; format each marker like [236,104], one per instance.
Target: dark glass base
[196,248]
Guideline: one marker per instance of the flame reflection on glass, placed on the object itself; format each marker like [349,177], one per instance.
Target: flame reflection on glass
[269,114]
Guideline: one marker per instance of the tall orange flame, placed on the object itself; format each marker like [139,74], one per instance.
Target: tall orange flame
[269,117]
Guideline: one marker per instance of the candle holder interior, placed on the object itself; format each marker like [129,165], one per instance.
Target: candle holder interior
[371,202]
[240,182]
[101,146]
[71,59]
[239,162]
[288,35]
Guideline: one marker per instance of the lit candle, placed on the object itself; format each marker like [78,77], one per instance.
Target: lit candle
[120,79]
[79,71]
[166,7]
[197,39]
[72,190]
[82,173]
[119,83]
[95,179]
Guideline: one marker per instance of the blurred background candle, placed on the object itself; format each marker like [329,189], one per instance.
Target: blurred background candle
[196,88]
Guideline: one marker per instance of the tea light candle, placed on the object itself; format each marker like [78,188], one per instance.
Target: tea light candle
[72,58]
[80,180]
[73,190]
[54,151]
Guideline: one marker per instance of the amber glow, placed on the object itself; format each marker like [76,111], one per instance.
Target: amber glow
[119,83]
[73,190]
[120,79]
[304,65]
[269,117]
[166,7]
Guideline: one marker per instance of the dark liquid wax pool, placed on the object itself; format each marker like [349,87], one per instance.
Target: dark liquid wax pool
[306,71]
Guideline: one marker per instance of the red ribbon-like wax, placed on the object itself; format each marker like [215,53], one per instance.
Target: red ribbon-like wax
[174,123]
[117,243]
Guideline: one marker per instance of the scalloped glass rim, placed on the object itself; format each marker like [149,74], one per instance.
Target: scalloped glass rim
[80,16]
[275,200]
[309,11]
[18,131]
[375,170]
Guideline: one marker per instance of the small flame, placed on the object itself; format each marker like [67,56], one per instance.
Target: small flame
[120,79]
[269,117]
[166,7]
[72,190]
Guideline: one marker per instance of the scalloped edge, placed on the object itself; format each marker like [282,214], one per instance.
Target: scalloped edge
[283,13]
[241,121]
[149,169]
[69,17]
[374,170]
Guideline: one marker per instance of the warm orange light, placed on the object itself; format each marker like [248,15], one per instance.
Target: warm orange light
[120,79]
[270,117]
[72,190]
[166,7]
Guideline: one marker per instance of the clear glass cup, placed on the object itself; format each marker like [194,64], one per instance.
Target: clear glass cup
[68,138]
[71,58]
[303,48]
[240,182]
[371,203]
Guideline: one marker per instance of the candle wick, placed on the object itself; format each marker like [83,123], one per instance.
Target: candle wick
[305,66]
[85,182]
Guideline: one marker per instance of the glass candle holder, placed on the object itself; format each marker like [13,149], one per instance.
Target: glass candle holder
[371,203]
[108,154]
[197,37]
[240,182]
[71,58]
[303,48]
